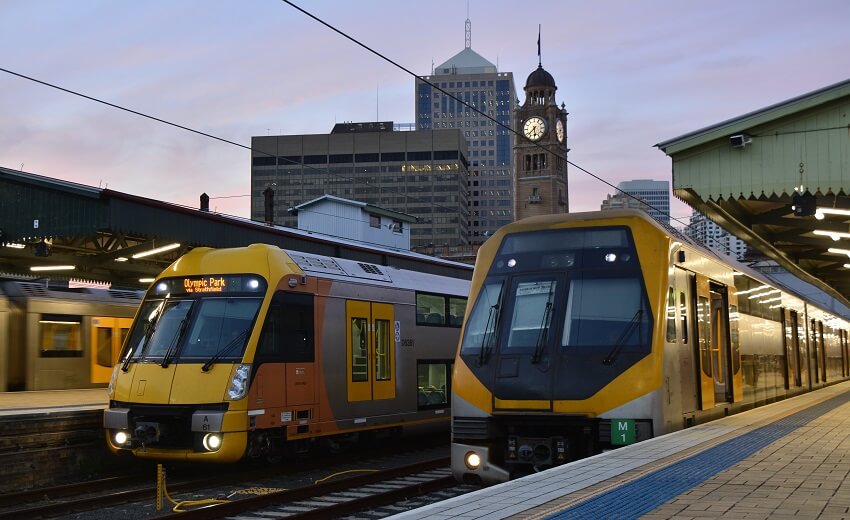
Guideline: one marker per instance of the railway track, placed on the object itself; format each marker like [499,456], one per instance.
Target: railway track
[133,496]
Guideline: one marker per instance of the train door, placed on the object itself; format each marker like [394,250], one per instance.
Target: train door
[370,351]
[107,337]
[815,350]
[683,297]
[715,349]
[737,379]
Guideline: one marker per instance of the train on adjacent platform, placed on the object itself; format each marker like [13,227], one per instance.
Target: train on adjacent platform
[56,338]
[590,331]
[257,352]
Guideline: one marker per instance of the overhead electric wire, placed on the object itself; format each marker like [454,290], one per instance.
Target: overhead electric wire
[467,105]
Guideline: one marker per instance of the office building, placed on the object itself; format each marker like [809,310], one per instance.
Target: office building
[705,231]
[477,82]
[654,198]
[422,174]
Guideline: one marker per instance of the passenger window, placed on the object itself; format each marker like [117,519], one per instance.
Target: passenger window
[703,318]
[288,330]
[457,308]
[382,350]
[433,379]
[683,312]
[430,309]
[671,315]
[60,335]
[359,360]
[104,346]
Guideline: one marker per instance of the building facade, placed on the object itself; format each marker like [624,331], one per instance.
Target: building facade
[470,77]
[422,174]
[540,155]
[654,198]
[705,231]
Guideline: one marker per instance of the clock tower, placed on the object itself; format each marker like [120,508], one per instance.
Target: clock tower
[540,152]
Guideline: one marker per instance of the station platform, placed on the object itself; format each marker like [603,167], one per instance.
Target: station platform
[789,459]
[49,401]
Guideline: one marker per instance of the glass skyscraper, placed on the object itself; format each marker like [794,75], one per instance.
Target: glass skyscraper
[470,77]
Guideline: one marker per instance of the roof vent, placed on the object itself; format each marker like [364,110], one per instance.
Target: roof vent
[369,268]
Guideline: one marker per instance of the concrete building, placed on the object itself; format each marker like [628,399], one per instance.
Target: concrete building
[654,198]
[713,236]
[475,80]
[355,220]
[422,174]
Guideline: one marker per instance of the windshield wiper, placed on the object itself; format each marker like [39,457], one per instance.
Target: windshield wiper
[618,345]
[543,335]
[493,317]
[151,328]
[224,350]
[166,358]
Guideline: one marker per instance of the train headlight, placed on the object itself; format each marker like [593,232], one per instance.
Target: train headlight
[212,441]
[121,438]
[239,385]
[610,257]
[472,460]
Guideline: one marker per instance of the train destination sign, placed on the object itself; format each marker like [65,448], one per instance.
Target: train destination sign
[211,283]
[205,284]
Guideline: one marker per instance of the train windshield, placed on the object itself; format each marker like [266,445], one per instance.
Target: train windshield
[194,326]
[577,290]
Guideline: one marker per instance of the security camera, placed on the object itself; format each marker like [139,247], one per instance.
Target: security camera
[740,140]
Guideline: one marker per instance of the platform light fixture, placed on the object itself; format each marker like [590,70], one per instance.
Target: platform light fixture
[157,250]
[835,235]
[121,259]
[16,246]
[37,268]
[838,251]
[820,213]
[146,280]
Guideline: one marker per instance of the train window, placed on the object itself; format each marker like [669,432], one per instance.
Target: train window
[481,328]
[287,334]
[221,327]
[671,315]
[734,318]
[382,350]
[433,380]
[703,317]
[683,312]
[532,314]
[359,351]
[430,309]
[605,312]
[103,346]
[60,335]
[457,308]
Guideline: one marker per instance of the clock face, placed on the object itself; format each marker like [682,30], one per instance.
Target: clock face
[534,128]
[559,131]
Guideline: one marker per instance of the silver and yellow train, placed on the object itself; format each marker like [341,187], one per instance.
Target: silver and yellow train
[55,338]
[591,331]
[257,351]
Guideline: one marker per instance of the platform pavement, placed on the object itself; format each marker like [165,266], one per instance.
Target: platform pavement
[790,459]
[18,403]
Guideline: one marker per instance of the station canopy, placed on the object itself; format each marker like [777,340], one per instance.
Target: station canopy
[779,179]
[101,235]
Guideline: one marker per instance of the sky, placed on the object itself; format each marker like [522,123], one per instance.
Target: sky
[631,74]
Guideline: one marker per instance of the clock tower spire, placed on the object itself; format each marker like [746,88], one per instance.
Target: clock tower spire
[540,154]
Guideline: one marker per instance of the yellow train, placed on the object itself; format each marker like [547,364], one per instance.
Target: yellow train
[258,351]
[590,331]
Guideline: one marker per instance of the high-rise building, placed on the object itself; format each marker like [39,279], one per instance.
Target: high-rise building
[705,231]
[470,77]
[422,174]
[656,195]
[654,198]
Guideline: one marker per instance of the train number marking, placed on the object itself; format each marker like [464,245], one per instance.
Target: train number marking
[622,432]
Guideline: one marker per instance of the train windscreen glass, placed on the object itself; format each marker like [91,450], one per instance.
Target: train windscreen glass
[196,319]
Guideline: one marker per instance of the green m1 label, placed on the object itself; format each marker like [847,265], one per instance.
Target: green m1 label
[622,432]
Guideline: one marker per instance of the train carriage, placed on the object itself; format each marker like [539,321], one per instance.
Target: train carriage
[590,331]
[258,351]
[55,338]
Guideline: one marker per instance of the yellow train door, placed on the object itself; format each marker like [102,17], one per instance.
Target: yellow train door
[735,347]
[370,351]
[107,337]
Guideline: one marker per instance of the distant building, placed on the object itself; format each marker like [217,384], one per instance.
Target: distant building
[703,230]
[654,198]
[475,80]
[422,174]
[355,220]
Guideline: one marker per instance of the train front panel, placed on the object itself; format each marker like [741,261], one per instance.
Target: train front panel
[560,356]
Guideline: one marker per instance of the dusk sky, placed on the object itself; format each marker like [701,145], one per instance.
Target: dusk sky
[631,73]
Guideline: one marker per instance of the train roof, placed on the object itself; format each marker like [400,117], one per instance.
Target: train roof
[772,275]
[352,270]
[16,289]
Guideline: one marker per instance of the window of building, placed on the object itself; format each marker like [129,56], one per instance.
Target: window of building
[374,221]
